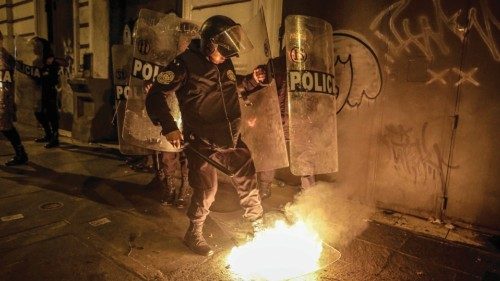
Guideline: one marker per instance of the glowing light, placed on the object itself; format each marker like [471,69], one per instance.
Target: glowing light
[277,253]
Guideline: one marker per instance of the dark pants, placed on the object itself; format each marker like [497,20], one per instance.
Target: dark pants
[170,160]
[267,177]
[48,117]
[13,136]
[203,180]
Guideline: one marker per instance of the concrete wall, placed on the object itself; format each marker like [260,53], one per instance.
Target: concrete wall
[18,18]
[83,28]
[22,18]
[99,38]
[77,46]
[93,99]
[418,105]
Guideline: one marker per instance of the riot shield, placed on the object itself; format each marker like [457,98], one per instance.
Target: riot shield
[7,64]
[122,64]
[158,39]
[28,54]
[261,126]
[311,96]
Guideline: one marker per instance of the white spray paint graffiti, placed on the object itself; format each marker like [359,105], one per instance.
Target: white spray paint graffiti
[466,76]
[357,70]
[401,40]
[463,76]
[66,73]
[437,76]
[485,32]
[422,41]
[412,157]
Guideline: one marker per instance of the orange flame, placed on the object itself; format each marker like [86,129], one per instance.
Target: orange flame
[281,252]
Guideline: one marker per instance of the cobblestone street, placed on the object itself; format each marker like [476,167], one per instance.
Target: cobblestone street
[78,212]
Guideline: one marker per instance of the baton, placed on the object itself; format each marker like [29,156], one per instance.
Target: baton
[212,162]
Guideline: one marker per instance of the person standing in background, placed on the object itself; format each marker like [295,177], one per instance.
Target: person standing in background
[47,113]
[278,64]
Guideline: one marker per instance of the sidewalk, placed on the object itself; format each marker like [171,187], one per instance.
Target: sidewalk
[78,212]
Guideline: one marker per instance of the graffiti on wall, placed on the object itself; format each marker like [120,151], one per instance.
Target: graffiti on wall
[474,24]
[357,70]
[437,76]
[65,73]
[464,76]
[69,57]
[414,158]
[429,35]
[401,40]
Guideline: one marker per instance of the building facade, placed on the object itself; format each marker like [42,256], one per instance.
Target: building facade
[417,105]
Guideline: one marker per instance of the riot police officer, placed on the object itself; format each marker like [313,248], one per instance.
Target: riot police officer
[265,178]
[7,107]
[206,86]
[48,112]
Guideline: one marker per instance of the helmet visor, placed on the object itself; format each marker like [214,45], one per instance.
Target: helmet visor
[232,41]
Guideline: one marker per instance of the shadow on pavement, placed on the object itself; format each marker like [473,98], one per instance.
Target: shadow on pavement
[116,193]
[112,192]
[102,152]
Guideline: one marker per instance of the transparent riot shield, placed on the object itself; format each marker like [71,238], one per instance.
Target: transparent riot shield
[122,64]
[28,54]
[311,96]
[7,64]
[158,39]
[261,126]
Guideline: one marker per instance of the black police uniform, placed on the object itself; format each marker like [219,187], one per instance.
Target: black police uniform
[7,112]
[7,109]
[208,100]
[48,114]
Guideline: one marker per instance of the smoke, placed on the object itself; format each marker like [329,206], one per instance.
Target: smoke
[336,217]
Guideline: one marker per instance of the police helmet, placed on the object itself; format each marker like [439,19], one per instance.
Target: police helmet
[224,34]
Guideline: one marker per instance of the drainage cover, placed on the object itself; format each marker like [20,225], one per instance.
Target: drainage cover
[51,206]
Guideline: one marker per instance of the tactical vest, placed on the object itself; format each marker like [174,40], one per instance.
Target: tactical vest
[209,100]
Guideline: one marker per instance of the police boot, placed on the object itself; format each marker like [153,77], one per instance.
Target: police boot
[184,193]
[47,131]
[264,190]
[257,226]
[20,158]
[54,141]
[195,241]
[168,192]
[45,138]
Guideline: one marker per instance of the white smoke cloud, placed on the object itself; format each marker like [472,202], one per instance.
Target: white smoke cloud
[336,217]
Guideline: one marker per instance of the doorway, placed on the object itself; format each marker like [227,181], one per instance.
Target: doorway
[60,36]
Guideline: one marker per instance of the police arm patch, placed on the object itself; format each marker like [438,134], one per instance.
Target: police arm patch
[230,75]
[165,77]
